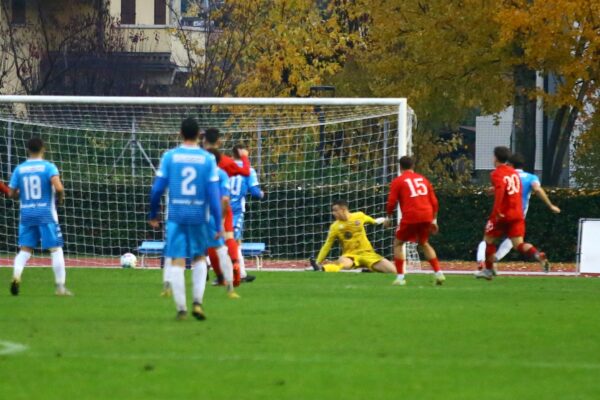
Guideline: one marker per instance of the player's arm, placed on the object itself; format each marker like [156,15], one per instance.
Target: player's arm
[367,219]
[393,198]
[160,184]
[59,189]
[499,189]
[255,190]
[435,205]
[326,246]
[13,185]
[229,165]
[541,193]
[4,189]
[213,192]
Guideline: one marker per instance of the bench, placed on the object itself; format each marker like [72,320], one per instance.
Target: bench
[255,250]
[156,247]
[150,247]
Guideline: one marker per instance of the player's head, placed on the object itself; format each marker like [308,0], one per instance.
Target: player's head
[502,154]
[189,129]
[216,153]
[406,163]
[517,161]
[35,146]
[212,138]
[236,150]
[339,209]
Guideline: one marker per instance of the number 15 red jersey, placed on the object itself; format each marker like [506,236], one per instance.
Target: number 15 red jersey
[416,197]
[508,203]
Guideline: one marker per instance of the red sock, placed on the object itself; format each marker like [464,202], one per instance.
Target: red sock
[399,265]
[530,253]
[232,249]
[490,255]
[214,262]
[435,264]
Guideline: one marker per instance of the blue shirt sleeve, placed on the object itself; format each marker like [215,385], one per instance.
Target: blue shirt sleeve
[253,178]
[14,180]
[158,187]
[213,190]
[52,170]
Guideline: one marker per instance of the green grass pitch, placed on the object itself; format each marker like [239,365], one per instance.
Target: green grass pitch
[302,336]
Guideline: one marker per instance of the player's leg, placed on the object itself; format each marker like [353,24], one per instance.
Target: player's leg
[29,237]
[531,252]
[177,249]
[342,263]
[168,264]
[227,269]
[504,248]
[52,239]
[216,266]
[238,230]
[399,260]
[232,246]
[431,257]
[384,265]
[481,255]
[199,271]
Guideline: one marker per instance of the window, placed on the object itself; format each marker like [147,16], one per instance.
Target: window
[160,12]
[18,12]
[128,12]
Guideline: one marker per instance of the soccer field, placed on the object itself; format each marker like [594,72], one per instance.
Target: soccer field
[302,336]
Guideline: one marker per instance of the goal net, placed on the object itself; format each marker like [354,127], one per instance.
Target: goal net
[307,152]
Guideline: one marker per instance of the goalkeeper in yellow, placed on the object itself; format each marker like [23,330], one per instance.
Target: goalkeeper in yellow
[357,251]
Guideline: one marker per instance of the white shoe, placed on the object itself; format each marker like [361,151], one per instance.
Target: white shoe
[439,278]
[63,291]
[484,274]
[399,282]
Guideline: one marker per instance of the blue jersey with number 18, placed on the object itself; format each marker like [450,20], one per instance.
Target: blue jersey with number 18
[188,171]
[36,193]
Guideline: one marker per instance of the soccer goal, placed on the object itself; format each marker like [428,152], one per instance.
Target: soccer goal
[307,152]
[588,252]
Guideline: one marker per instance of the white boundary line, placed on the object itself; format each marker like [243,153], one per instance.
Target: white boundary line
[7,348]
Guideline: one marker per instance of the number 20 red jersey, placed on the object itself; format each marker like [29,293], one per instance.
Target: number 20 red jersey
[417,199]
[508,203]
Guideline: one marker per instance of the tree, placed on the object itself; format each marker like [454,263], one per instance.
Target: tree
[265,47]
[586,157]
[560,38]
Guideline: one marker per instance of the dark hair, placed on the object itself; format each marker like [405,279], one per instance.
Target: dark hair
[190,129]
[406,162]
[35,145]
[236,149]
[517,160]
[502,153]
[340,203]
[211,135]
[216,153]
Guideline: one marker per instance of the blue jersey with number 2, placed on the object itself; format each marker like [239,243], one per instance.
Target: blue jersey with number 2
[36,193]
[188,171]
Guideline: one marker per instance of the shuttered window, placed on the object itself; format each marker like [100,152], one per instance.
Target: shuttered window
[160,12]
[128,12]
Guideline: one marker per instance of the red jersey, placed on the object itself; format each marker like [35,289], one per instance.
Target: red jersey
[4,189]
[417,199]
[228,165]
[508,202]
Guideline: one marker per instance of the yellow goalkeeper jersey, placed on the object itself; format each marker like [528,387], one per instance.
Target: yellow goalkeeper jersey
[351,235]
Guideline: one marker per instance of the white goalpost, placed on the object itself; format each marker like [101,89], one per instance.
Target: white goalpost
[307,152]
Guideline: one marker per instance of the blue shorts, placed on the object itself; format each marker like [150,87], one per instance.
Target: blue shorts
[49,234]
[238,226]
[212,232]
[185,241]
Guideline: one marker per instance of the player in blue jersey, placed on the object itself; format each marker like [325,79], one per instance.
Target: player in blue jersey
[530,183]
[241,186]
[190,174]
[217,251]
[37,185]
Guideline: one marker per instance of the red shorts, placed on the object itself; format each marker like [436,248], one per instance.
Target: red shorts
[417,233]
[228,219]
[511,229]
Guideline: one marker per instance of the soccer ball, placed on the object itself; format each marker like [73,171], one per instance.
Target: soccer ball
[128,260]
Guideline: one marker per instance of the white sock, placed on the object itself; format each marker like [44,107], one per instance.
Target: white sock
[400,277]
[503,249]
[20,262]
[167,271]
[243,272]
[177,279]
[226,265]
[199,270]
[481,251]
[58,266]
